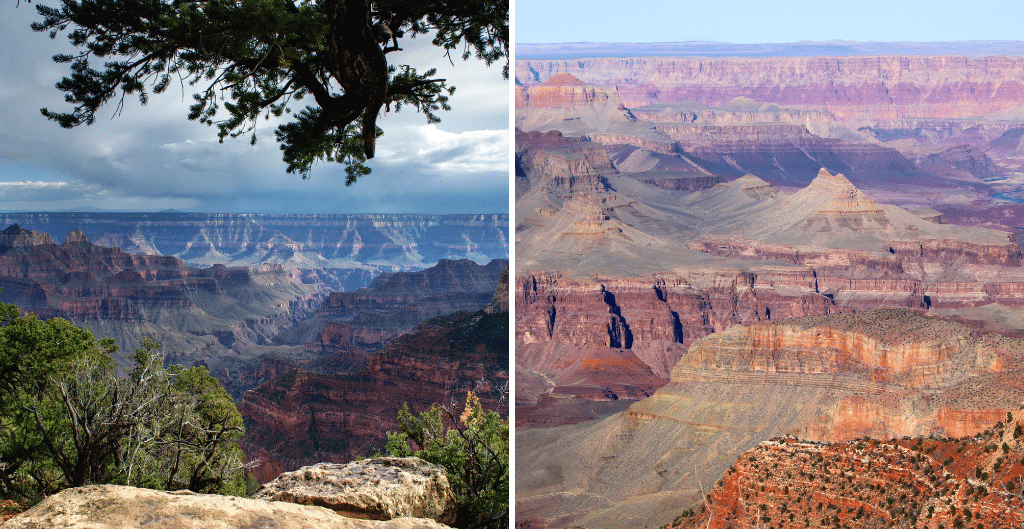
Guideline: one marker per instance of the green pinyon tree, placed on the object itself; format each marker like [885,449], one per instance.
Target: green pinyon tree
[256,58]
[67,418]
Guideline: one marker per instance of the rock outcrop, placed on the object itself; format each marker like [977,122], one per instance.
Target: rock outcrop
[119,507]
[379,488]
[563,90]
[922,482]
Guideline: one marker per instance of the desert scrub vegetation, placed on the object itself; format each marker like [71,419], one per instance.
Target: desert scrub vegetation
[69,418]
[473,448]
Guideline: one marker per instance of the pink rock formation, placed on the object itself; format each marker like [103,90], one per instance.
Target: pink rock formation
[880,87]
[565,91]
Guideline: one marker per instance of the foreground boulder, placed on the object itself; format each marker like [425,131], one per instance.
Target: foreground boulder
[121,507]
[380,488]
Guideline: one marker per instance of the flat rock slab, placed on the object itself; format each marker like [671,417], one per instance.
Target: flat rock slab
[120,507]
[379,488]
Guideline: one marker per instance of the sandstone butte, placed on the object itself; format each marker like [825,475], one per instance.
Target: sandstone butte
[973,481]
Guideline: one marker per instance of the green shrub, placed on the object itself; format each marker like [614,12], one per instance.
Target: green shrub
[473,447]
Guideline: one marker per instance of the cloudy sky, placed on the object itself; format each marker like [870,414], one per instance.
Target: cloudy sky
[760,21]
[151,158]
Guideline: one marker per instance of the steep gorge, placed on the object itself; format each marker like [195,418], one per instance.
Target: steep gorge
[304,416]
[615,273]
[673,214]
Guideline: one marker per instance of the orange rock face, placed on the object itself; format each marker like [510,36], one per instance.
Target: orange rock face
[565,91]
[881,364]
[640,314]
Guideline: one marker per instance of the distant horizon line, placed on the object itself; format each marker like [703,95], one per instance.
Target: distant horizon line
[801,41]
[801,48]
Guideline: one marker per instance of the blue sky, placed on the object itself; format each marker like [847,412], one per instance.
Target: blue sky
[152,158]
[752,21]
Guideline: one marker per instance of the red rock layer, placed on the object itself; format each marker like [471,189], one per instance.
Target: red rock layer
[892,275]
[78,280]
[648,319]
[395,302]
[922,483]
[565,91]
[877,364]
[303,417]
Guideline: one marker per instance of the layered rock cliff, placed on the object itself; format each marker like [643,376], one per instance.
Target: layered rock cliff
[611,269]
[303,417]
[362,321]
[914,129]
[879,87]
[198,314]
[344,252]
[881,374]
[649,260]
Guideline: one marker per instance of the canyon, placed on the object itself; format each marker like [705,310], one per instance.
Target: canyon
[715,251]
[197,314]
[921,131]
[609,281]
[305,416]
[318,376]
[342,252]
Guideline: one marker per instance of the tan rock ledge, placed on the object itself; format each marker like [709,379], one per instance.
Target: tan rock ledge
[121,507]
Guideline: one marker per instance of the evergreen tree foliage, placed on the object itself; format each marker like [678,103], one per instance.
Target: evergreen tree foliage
[473,450]
[256,58]
[67,418]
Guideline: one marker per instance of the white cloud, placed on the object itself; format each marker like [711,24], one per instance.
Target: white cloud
[4,186]
[442,152]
